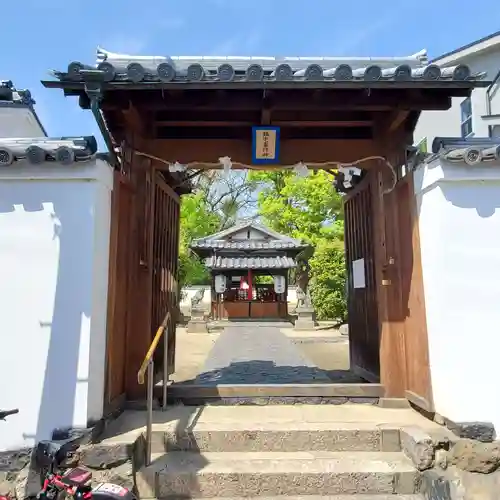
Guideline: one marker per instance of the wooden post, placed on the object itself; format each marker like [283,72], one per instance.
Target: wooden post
[286,293]
[250,285]
[393,373]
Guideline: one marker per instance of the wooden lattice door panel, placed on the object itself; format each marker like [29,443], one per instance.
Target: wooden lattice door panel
[362,300]
[165,242]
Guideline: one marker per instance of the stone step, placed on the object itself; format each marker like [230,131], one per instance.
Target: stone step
[209,390]
[252,474]
[275,436]
[328,497]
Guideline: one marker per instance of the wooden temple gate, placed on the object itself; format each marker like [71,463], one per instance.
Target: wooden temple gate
[165,254]
[119,288]
[143,274]
[362,300]
[405,324]
[207,111]
[382,229]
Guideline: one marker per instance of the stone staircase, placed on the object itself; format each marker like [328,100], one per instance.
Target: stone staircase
[325,460]
[234,456]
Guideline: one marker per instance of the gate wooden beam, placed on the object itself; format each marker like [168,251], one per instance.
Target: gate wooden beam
[267,121]
[396,120]
[394,124]
[137,121]
[360,99]
[291,151]
[323,123]
[267,105]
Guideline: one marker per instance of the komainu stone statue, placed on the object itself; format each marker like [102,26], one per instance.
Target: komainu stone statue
[302,281]
[197,297]
[302,278]
[197,322]
[305,310]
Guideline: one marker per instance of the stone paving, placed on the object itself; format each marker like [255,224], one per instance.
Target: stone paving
[257,353]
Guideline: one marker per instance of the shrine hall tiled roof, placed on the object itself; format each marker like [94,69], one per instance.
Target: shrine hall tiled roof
[246,245]
[215,262]
[65,150]
[267,240]
[123,69]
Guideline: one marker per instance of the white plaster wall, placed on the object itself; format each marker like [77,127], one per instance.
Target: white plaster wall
[54,249]
[433,124]
[459,223]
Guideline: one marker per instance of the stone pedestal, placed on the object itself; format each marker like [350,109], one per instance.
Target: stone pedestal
[306,318]
[344,329]
[197,323]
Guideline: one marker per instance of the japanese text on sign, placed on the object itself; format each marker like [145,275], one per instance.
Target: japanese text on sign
[265,144]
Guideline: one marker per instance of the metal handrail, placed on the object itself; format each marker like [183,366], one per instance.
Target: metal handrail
[148,366]
[488,92]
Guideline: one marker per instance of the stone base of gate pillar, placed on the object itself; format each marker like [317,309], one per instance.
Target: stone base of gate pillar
[198,322]
[306,318]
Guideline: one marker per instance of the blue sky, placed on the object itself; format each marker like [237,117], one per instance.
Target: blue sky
[38,35]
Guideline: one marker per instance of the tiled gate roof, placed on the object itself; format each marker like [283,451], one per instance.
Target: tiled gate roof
[123,68]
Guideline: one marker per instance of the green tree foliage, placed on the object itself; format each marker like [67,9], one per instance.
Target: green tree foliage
[197,220]
[306,208]
[309,208]
[328,281]
[214,205]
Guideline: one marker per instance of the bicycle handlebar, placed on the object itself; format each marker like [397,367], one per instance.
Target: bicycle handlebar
[6,413]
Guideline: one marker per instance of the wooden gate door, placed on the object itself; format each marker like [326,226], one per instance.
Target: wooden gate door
[165,253]
[120,253]
[406,303]
[361,279]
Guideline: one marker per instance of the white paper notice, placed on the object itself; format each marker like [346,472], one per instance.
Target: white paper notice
[358,273]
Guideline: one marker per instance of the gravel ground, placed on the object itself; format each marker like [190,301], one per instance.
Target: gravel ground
[259,356]
[255,354]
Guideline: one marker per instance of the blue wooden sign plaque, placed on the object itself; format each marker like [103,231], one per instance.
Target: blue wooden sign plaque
[265,145]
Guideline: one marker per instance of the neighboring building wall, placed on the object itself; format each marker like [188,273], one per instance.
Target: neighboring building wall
[53,296]
[17,114]
[19,121]
[433,124]
[459,224]
[447,123]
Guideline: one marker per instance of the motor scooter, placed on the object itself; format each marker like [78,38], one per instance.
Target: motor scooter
[75,482]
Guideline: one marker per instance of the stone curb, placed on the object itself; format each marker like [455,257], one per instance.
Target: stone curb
[274,400]
[418,446]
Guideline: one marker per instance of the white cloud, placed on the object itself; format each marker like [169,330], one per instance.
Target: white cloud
[243,44]
[124,44]
[225,47]
[253,40]
[350,40]
[356,35]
